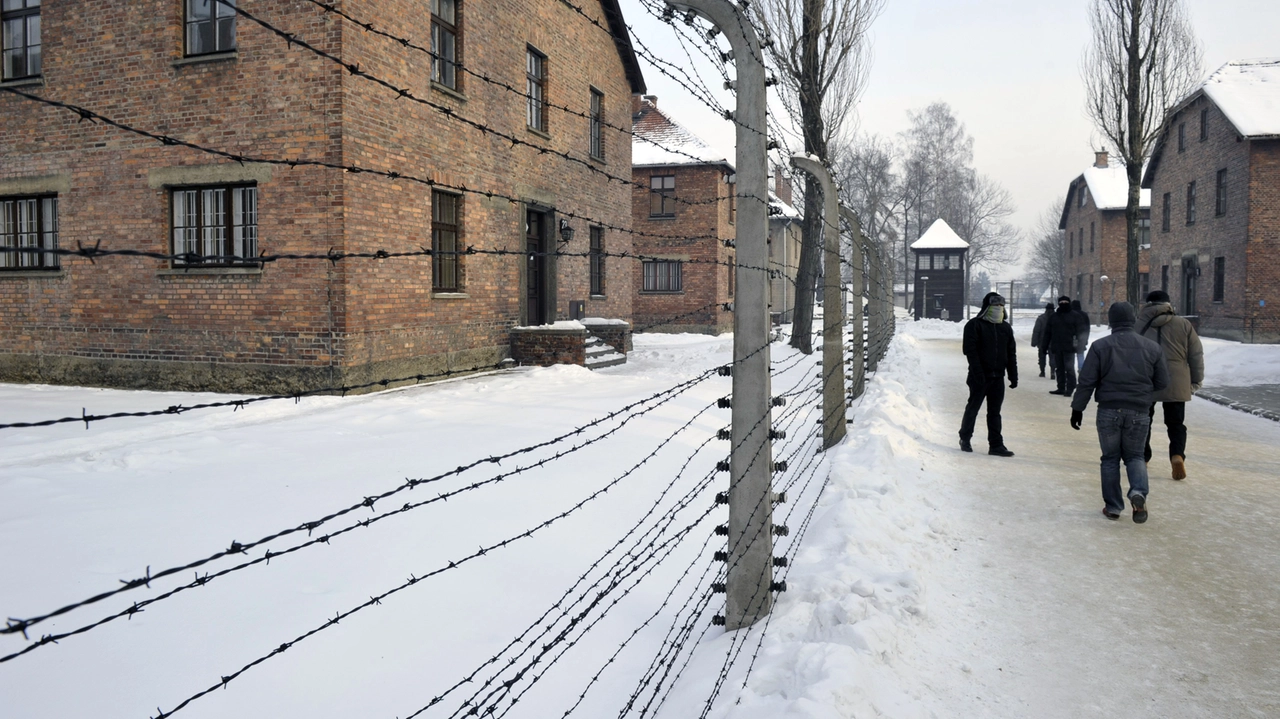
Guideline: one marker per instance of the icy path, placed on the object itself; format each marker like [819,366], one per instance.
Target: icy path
[1050,610]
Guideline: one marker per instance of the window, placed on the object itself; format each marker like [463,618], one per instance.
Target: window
[444,42]
[662,276]
[1182,137]
[536,84]
[1084,194]
[733,202]
[446,216]
[1220,194]
[597,124]
[1079,285]
[1164,277]
[1204,124]
[953,262]
[1071,244]
[1080,249]
[662,196]
[1144,285]
[1219,278]
[203,226]
[28,222]
[1191,202]
[924,261]
[21,20]
[1164,214]
[1144,232]
[1090,289]
[729,275]
[1092,238]
[211,26]
[597,260]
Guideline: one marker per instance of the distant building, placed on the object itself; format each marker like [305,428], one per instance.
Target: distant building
[939,274]
[1215,179]
[1098,238]
[684,210]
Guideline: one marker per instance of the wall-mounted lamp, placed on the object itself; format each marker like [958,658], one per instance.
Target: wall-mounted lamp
[566,232]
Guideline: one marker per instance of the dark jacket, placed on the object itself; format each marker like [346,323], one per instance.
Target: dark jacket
[1039,338]
[1082,329]
[1125,368]
[1182,349]
[1061,329]
[989,346]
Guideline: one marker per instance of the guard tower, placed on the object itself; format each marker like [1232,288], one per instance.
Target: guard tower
[939,278]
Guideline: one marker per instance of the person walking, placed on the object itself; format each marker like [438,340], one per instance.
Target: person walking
[1185,357]
[1083,324]
[1038,339]
[1125,370]
[1060,334]
[989,347]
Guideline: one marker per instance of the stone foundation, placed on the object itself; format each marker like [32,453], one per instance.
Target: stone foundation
[546,345]
[615,333]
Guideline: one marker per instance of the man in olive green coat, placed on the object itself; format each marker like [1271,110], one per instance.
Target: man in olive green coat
[1185,357]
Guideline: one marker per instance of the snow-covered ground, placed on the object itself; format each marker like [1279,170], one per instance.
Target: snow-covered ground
[924,585]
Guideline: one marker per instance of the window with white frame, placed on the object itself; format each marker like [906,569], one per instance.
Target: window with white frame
[28,224]
[536,89]
[215,225]
[597,124]
[444,42]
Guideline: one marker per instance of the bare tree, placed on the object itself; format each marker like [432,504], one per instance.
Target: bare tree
[869,184]
[1144,57]
[980,218]
[822,53]
[1048,261]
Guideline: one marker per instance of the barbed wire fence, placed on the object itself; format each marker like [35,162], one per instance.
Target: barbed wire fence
[672,529]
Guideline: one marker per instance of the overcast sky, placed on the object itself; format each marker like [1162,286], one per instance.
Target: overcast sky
[1008,68]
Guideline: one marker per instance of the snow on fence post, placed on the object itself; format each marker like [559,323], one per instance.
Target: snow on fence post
[749,585]
[833,389]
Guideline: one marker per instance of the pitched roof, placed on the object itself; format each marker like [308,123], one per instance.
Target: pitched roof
[1248,93]
[659,140]
[622,39]
[939,236]
[1109,188]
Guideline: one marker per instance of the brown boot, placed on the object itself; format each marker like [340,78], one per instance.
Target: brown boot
[1179,466]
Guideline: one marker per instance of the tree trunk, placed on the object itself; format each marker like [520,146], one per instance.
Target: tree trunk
[814,144]
[1134,160]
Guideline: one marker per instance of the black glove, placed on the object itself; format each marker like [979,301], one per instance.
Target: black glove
[1013,384]
[1076,418]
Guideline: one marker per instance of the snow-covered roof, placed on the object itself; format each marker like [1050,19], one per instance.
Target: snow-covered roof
[1109,187]
[939,236]
[659,140]
[1248,93]
[787,211]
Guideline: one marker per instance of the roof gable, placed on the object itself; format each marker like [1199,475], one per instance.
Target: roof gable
[939,236]
[659,140]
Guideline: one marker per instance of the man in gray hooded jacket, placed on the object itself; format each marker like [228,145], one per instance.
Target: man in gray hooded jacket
[1125,370]
[1185,357]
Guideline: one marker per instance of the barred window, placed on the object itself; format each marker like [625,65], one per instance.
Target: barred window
[211,26]
[663,276]
[597,124]
[1182,137]
[28,223]
[216,225]
[1219,278]
[597,260]
[1204,124]
[1191,202]
[1092,236]
[1220,201]
[1071,243]
[21,22]
[662,196]
[444,42]
[731,268]
[536,84]
[446,219]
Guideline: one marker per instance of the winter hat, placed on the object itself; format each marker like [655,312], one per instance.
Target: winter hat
[1121,315]
[1075,305]
[1064,298]
[1048,307]
[1157,296]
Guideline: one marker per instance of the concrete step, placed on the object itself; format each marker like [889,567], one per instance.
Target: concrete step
[601,355]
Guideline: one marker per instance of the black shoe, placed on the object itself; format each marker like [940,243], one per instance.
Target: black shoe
[1110,513]
[965,446]
[1041,373]
[1000,452]
[1053,376]
[1139,503]
[1058,391]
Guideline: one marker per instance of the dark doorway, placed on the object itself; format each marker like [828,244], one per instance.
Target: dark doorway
[1190,275]
[536,271]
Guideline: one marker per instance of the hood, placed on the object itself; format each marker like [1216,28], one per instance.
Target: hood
[1157,313]
[1121,316]
[986,301]
[1075,305]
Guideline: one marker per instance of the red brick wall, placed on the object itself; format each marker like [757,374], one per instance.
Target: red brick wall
[1108,255]
[1263,249]
[351,320]
[546,347]
[693,232]
[1211,235]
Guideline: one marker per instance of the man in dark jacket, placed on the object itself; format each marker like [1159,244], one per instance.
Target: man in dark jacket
[1083,324]
[1126,370]
[1038,339]
[1060,333]
[989,347]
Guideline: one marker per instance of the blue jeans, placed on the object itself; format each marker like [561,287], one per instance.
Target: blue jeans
[1123,436]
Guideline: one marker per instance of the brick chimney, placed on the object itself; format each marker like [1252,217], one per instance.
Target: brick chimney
[781,185]
[640,102]
[1100,159]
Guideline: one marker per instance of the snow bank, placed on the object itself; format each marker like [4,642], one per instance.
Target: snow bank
[1234,364]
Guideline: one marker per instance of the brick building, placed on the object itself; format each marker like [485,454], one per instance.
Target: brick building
[1215,180]
[201,73]
[1097,238]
